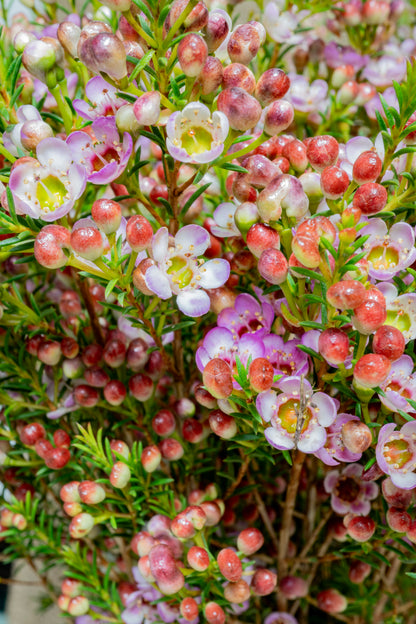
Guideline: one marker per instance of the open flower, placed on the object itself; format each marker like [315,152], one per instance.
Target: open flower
[282,25]
[103,98]
[194,136]
[334,450]
[247,316]
[47,187]
[103,156]
[281,411]
[308,97]
[177,270]
[396,454]
[388,251]
[399,386]
[401,310]
[348,493]
[285,357]
[224,221]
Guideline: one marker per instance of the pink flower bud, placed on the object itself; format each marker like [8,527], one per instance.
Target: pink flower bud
[70,587]
[237,592]
[361,528]
[86,396]
[264,582]
[346,295]
[367,167]
[81,525]
[279,116]
[244,43]
[369,316]
[68,34]
[214,614]
[398,519]
[217,29]
[250,541]
[171,449]
[69,492]
[189,609]
[91,493]
[272,85]
[261,237]
[358,572]
[49,246]
[238,75]
[370,198]
[151,458]
[395,496]
[217,378]
[211,75]
[331,601]
[242,110]
[223,425]
[168,577]
[334,182]
[139,233]
[273,266]
[192,54]
[356,436]
[107,215]
[120,475]
[293,587]
[229,564]
[87,242]
[198,558]
[333,345]
[147,109]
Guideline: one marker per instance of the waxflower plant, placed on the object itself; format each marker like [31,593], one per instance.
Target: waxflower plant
[208,309]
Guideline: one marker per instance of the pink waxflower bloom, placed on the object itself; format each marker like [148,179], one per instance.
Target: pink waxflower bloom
[103,98]
[224,221]
[401,310]
[381,71]
[334,450]
[194,135]
[396,454]
[280,617]
[388,251]
[308,97]
[281,410]
[177,269]
[47,187]
[399,386]
[104,156]
[348,493]
[247,316]
[282,25]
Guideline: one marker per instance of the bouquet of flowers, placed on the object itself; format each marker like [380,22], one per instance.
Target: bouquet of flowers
[208,309]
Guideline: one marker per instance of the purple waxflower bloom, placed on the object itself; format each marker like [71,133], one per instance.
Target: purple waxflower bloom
[280,617]
[103,156]
[103,98]
[381,71]
[177,270]
[375,104]
[224,221]
[66,405]
[334,450]
[281,411]
[401,310]
[247,316]
[396,454]
[308,97]
[388,251]
[399,386]
[337,55]
[47,187]
[282,25]
[285,357]
[196,136]
[348,493]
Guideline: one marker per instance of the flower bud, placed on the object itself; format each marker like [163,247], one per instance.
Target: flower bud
[139,233]
[189,609]
[126,120]
[168,577]
[91,493]
[356,436]
[272,85]
[331,601]
[49,245]
[87,242]
[238,75]
[78,606]
[279,116]
[147,108]
[107,215]
[217,378]
[214,614]
[81,525]
[211,75]
[120,475]
[198,558]
[151,458]
[346,295]
[229,564]
[250,541]
[242,110]
[68,35]
[217,29]
[223,425]
[245,42]
[264,582]
[192,54]
[237,592]
[273,266]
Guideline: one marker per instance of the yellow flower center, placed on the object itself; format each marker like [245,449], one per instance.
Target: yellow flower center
[383,257]
[397,452]
[50,192]
[196,140]
[288,416]
[180,271]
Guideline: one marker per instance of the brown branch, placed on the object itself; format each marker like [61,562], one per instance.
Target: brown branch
[241,473]
[266,519]
[388,583]
[89,304]
[311,540]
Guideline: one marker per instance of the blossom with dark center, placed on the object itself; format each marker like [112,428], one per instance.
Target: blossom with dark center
[101,153]
[103,98]
[247,316]
[348,493]
[334,449]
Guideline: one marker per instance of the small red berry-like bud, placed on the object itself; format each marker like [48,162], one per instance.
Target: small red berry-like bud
[192,53]
[322,152]
[242,110]
[261,237]
[78,606]
[295,152]
[189,609]
[261,374]
[163,424]
[346,295]
[250,541]
[70,587]
[72,509]
[395,496]
[333,345]
[114,353]
[217,378]
[92,354]
[63,602]
[370,198]
[49,352]
[272,85]
[50,244]
[43,448]
[151,458]
[141,387]
[96,377]
[81,525]
[358,572]
[198,558]
[144,568]
[398,519]
[216,30]
[19,522]
[137,354]
[238,75]
[120,447]
[334,182]
[107,215]
[211,75]
[237,592]
[139,233]
[223,425]
[30,434]
[87,242]
[147,111]
[356,436]
[293,587]
[229,564]
[374,294]
[367,167]
[61,438]
[120,475]
[192,430]
[58,458]
[213,511]
[196,20]
[375,12]
[171,449]
[163,566]
[69,348]
[69,492]
[264,582]
[361,528]
[331,601]
[389,341]
[114,392]
[91,493]
[214,614]
[142,543]
[279,116]
[369,316]
[85,396]
[371,370]
[273,266]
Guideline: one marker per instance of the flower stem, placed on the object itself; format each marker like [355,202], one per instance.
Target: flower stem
[64,108]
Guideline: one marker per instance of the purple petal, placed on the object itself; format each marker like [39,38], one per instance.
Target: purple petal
[277,439]
[158,282]
[266,404]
